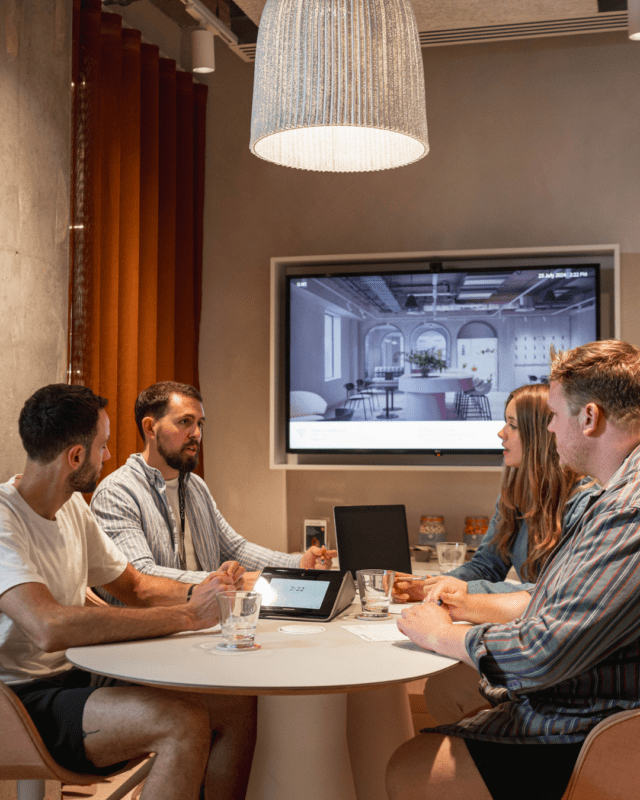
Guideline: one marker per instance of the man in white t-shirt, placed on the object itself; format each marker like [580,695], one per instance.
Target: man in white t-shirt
[51,549]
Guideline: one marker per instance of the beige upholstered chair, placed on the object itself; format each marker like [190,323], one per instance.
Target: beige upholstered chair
[25,759]
[607,767]
[306,406]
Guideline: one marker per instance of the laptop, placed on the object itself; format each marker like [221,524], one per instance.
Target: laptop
[372,537]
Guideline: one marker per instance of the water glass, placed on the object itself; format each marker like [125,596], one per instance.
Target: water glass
[239,613]
[451,554]
[375,587]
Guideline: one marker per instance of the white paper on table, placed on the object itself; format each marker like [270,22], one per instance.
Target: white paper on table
[377,633]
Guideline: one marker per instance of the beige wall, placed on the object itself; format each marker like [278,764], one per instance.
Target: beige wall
[35,83]
[533,143]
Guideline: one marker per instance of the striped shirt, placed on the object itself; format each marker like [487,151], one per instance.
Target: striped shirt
[132,508]
[574,657]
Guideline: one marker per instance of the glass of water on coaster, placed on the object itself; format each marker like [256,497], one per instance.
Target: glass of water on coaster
[375,587]
[451,555]
[239,613]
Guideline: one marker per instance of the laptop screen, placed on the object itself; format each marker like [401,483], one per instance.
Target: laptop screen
[372,537]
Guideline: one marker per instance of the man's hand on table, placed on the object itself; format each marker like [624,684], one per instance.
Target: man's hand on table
[317,558]
[429,626]
[421,623]
[203,604]
[407,588]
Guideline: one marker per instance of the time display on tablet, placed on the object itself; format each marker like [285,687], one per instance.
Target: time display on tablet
[293,593]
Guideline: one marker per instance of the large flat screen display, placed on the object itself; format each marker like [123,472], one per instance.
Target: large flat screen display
[423,361]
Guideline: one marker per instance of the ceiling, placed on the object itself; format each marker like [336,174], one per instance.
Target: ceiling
[492,292]
[440,22]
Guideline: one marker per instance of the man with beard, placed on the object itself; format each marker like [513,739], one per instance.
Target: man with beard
[162,516]
[51,550]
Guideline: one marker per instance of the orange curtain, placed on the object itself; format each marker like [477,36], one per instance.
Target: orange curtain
[137,210]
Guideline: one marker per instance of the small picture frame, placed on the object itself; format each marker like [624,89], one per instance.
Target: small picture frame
[315,533]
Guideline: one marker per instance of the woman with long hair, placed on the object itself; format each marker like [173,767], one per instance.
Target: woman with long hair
[539,500]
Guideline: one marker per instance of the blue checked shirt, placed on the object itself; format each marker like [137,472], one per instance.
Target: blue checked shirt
[132,508]
[574,657]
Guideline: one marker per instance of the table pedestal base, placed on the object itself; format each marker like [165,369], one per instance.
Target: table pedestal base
[328,746]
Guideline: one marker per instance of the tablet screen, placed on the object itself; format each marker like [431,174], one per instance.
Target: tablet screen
[292,593]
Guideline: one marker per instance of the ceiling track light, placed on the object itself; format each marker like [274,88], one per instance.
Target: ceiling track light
[203,58]
[205,17]
[633,9]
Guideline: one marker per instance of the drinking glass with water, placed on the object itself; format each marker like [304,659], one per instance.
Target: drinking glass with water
[239,612]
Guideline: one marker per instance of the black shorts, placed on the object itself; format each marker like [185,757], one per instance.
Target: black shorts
[525,771]
[56,706]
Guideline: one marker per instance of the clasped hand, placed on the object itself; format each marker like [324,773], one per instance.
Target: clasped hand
[203,601]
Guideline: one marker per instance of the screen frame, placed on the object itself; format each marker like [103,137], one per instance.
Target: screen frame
[382,270]
[608,255]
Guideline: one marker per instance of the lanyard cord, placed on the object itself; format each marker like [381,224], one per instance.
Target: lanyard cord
[182,505]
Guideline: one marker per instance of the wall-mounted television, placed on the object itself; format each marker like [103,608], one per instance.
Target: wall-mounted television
[355,345]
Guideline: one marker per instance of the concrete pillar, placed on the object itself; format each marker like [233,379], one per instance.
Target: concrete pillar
[35,98]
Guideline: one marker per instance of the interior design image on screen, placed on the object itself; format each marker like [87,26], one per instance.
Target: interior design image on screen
[423,361]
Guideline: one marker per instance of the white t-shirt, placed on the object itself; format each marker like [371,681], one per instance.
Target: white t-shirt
[66,555]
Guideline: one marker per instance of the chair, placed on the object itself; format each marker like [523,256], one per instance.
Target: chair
[354,398]
[306,406]
[374,394]
[474,402]
[607,766]
[25,759]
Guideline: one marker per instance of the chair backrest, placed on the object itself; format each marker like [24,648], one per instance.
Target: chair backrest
[607,766]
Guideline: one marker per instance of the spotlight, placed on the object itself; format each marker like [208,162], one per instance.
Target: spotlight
[411,302]
[202,54]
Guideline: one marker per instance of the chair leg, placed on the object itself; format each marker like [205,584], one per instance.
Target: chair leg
[30,790]
[138,776]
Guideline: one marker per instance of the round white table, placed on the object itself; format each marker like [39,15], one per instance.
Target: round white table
[334,742]
[425,397]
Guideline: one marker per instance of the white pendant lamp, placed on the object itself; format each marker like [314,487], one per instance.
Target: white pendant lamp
[339,86]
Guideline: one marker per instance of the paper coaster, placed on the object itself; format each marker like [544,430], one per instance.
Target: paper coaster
[369,618]
[301,629]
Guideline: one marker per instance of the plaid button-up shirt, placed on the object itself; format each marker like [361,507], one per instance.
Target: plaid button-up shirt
[574,657]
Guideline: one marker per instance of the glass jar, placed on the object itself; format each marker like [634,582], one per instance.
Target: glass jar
[431,530]
[474,530]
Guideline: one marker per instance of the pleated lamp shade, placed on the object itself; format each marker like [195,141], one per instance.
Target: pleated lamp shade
[339,86]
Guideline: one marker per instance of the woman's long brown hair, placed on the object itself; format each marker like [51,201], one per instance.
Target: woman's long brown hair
[535,492]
